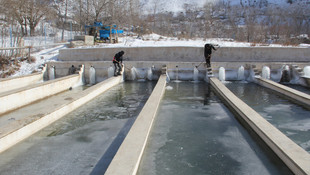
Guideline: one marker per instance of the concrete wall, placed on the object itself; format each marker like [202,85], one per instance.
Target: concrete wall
[189,54]
[295,157]
[88,40]
[9,84]
[17,98]
[185,68]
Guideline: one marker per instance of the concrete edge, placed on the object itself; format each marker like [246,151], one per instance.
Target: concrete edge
[128,157]
[9,84]
[296,95]
[19,77]
[37,85]
[22,133]
[295,157]
[12,100]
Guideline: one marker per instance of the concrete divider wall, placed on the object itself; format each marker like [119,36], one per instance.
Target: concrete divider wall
[296,158]
[188,54]
[128,157]
[17,98]
[12,137]
[8,84]
[297,96]
[102,67]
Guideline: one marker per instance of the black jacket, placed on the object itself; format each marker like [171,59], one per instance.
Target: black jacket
[208,49]
[118,58]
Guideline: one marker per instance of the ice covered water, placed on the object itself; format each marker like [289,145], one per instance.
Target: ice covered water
[290,118]
[84,141]
[194,133]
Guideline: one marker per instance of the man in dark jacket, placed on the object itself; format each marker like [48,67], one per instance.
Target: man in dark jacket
[117,61]
[208,52]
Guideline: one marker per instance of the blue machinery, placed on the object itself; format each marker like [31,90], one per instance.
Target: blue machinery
[105,32]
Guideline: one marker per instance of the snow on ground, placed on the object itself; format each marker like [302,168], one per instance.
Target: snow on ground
[152,40]
[46,55]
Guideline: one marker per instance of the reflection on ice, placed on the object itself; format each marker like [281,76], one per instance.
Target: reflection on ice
[300,125]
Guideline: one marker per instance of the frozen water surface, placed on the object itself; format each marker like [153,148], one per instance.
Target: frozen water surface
[290,118]
[194,133]
[84,141]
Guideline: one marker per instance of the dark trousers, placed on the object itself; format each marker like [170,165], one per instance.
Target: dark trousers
[118,68]
[208,60]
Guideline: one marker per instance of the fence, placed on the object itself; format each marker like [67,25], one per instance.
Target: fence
[26,50]
[13,45]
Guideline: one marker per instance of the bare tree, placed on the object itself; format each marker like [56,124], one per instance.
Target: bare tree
[35,12]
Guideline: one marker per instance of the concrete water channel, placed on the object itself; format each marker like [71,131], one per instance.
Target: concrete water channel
[290,118]
[177,127]
[195,133]
[84,141]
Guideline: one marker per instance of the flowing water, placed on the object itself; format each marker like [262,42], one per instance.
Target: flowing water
[307,71]
[92,75]
[290,118]
[195,74]
[241,73]
[266,72]
[194,133]
[51,73]
[222,76]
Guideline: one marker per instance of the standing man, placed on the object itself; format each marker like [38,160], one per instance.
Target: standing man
[117,61]
[208,52]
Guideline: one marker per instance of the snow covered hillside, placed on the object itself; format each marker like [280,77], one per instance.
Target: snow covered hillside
[177,5]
